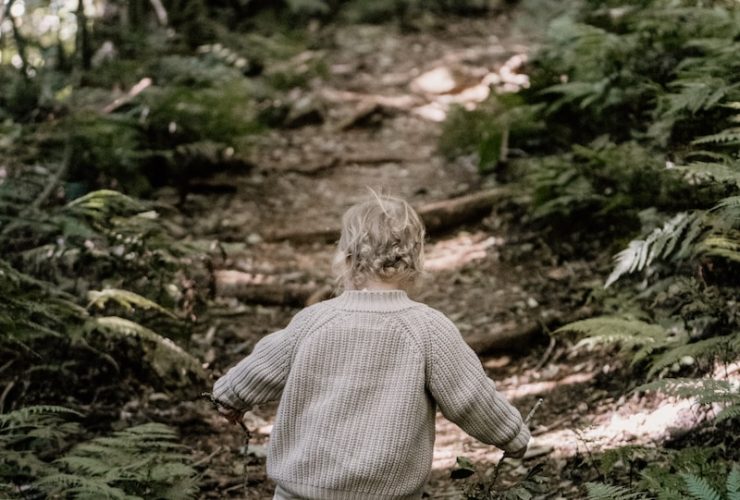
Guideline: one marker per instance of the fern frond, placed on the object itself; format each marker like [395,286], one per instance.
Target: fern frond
[733,480]
[729,413]
[730,204]
[29,412]
[127,299]
[608,329]
[660,243]
[601,491]
[707,348]
[706,391]
[105,203]
[78,486]
[718,171]
[721,246]
[145,455]
[726,137]
[699,488]
[162,353]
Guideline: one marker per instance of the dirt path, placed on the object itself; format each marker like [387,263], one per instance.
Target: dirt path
[382,103]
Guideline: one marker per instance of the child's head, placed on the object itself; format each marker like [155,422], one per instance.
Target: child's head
[382,241]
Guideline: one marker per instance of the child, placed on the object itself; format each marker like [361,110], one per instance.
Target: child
[359,376]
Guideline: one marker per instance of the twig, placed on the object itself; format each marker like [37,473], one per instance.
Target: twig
[497,469]
[209,457]
[4,395]
[137,89]
[7,364]
[160,11]
[548,351]
[217,405]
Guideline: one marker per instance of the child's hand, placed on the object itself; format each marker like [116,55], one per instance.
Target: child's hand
[517,454]
[230,414]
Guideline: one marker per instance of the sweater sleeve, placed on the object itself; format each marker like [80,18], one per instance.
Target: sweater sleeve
[466,395]
[260,377]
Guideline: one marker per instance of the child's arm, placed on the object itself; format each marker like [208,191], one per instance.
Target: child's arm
[467,396]
[260,377]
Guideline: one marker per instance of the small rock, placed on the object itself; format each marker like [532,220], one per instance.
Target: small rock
[558,273]
[254,239]
[304,111]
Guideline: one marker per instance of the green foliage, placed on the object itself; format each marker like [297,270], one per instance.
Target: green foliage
[600,181]
[488,130]
[600,491]
[628,332]
[166,357]
[681,485]
[106,151]
[144,461]
[699,489]
[640,107]
[181,115]
[705,391]
[662,349]
[707,233]
[527,487]
[102,239]
[677,237]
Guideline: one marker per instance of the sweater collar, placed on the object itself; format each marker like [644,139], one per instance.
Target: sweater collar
[374,300]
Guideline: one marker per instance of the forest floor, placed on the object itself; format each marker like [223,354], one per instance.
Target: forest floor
[374,120]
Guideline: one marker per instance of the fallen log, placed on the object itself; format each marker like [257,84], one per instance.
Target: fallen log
[437,216]
[445,214]
[514,336]
[243,286]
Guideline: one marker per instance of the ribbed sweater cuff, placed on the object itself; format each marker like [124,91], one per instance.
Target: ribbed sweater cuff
[307,491]
[223,393]
[520,441]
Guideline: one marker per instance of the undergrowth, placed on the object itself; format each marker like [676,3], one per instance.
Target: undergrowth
[629,133]
[38,459]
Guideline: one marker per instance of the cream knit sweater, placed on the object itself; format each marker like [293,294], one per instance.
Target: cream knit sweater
[359,377]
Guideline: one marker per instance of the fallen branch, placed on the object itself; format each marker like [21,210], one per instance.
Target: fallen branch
[445,214]
[317,167]
[137,89]
[517,337]
[400,102]
[241,285]
[437,216]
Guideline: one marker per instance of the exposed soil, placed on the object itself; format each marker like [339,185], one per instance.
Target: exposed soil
[482,275]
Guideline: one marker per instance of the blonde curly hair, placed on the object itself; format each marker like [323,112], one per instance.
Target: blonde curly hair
[382,239]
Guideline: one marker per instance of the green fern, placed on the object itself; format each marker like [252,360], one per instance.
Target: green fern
[676,237]
[129,300]
[727,137]
[725,346]
[608,329]
[733,483]
[729,413]
[162,354]
[705,391]
[145,461]
[699,488]
[601,491]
